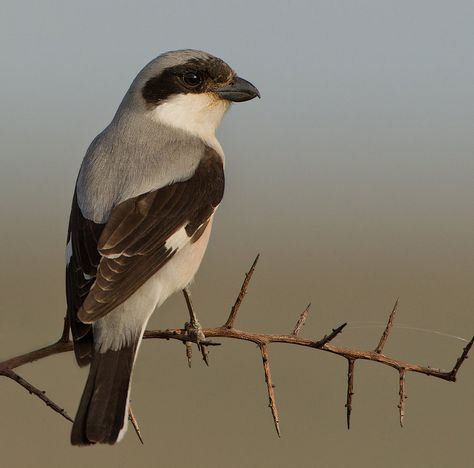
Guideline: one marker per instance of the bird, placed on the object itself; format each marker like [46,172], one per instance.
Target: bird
[141,216]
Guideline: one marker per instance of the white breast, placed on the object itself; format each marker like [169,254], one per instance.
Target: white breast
[198,114]
[117,328]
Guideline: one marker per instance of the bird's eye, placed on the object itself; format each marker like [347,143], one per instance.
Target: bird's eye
[192,79]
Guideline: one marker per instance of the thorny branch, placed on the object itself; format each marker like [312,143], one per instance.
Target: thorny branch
[270,387]
[301,321]
[35,391]
[403,395]
[262,340]
[243,291]
[350,390]
[133,420]
[388,329]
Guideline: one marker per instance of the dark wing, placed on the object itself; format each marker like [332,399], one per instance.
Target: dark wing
[132,245]
[80,275]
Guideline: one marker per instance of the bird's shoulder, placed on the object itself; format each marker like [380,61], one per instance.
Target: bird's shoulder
[120,165]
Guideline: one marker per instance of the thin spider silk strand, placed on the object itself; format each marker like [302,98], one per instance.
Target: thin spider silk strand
[368,324]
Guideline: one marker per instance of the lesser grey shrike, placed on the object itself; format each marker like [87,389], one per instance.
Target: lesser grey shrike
[141,217]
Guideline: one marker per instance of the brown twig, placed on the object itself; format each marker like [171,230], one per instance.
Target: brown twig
[402,394]
[180,334]
[133,420]
[350,390]
[328,338]
[35,391]
[270,387]
[243,291]
[262,340]
[461,359]
[388,329]
[301,321]
[36,355]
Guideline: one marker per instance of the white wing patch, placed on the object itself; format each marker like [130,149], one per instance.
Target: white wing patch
[177,240]
[69,251]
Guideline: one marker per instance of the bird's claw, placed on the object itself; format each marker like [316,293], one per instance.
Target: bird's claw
[194,330]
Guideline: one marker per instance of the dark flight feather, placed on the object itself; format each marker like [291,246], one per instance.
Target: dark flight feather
[101,414]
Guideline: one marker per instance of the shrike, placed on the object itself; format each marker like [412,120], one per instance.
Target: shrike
[140,221]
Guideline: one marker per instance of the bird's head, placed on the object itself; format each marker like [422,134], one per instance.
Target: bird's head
[190,90]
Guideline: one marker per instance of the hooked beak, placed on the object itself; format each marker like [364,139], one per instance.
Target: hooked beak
[239,90]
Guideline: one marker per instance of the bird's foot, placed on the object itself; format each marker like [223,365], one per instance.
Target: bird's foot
[194,330]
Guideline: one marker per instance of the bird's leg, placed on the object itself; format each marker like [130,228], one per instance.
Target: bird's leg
[193,327]
[193,324]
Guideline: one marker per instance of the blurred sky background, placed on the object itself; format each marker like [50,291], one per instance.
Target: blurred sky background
[353,176]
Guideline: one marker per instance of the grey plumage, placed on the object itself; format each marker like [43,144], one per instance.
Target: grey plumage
[133,155]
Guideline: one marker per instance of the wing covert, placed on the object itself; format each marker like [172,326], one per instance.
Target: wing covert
[133,244]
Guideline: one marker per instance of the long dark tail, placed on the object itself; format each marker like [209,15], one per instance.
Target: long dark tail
[104,403]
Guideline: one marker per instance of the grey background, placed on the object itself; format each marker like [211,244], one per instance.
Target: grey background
[354,178]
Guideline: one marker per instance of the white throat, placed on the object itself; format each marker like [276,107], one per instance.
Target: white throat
[198,114]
